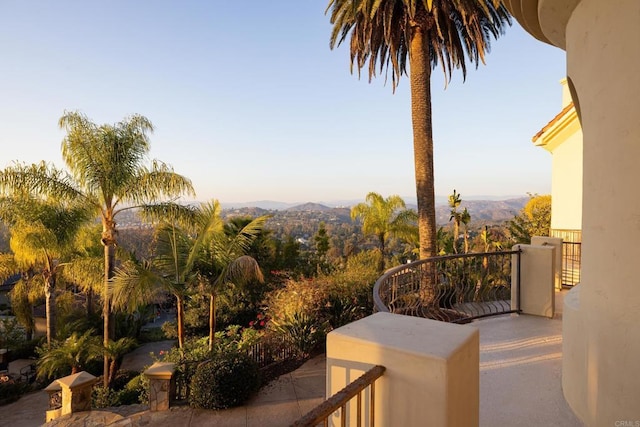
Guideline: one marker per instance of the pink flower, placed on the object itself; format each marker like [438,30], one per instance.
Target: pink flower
[262,323]
[251,323]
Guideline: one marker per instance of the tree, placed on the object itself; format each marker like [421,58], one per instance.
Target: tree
[454,203]
[225,263]
[465,218]
[115,350]
[194,248]
[42,237]
[391,34]
[72,353]
[533,220]
[385,218]
[107,172]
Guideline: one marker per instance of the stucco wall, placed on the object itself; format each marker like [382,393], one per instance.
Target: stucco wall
[566,182]
[603,70]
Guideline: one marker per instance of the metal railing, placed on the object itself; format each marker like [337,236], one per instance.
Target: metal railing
[339,401]
[571,257]
[451,288]
[571,254]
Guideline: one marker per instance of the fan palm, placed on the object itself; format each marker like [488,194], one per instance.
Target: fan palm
[391,34]
[107,172]
[385,218]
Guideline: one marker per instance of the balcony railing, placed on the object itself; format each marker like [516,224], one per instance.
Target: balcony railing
[452,288]
[339,401]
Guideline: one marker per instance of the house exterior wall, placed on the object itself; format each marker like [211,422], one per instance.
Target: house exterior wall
[603,67]
[566,181]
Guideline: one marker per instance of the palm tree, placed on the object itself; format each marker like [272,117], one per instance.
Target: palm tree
[465,219]
[391,34]
[115,350]
[385,218]
[225,263]
[107,173]
[42,237]
[192,249]
[73,353]
[454,203]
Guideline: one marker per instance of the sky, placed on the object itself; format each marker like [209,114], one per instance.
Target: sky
[250,103]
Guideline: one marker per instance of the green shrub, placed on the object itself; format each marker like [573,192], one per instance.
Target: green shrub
[103,397]
[26,349]
[123,378]
[10,391]
[227,381]
[170,330]
[301,330]
[139,385]
[153,335]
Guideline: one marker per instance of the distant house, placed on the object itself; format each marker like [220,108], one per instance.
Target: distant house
[562,137]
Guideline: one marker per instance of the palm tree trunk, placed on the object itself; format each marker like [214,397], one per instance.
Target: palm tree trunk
[382,253]
[212,320]
[113,368]
[456,233]
[109,325]
[180,320]
[420,71]
[50,306]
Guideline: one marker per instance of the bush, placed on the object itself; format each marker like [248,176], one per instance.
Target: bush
[123,378]
[139,385]
[10,391]
[152,335]
[301,330]
[227,381]
[129,388]
[103,397]
[170,330]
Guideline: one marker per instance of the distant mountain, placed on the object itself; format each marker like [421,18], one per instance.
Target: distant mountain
[324,204]
[484,210]
[264,204]
[317,207]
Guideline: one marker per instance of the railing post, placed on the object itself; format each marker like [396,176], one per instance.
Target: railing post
[518,257]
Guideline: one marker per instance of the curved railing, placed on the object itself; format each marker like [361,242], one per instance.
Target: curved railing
[452,288]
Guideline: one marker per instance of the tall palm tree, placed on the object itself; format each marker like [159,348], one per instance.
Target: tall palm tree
[107,172]
[465,219]
[385,218]
[391,34]
[456,217]
[42,237]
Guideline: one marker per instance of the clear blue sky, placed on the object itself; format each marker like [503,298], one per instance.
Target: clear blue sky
[251,104]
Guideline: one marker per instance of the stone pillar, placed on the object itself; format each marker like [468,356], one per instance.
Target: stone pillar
[432,374]
[602,331]
[537,276]
[162,387]
[76,394]
[556,242]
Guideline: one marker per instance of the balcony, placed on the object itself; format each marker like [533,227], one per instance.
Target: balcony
[512,373]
